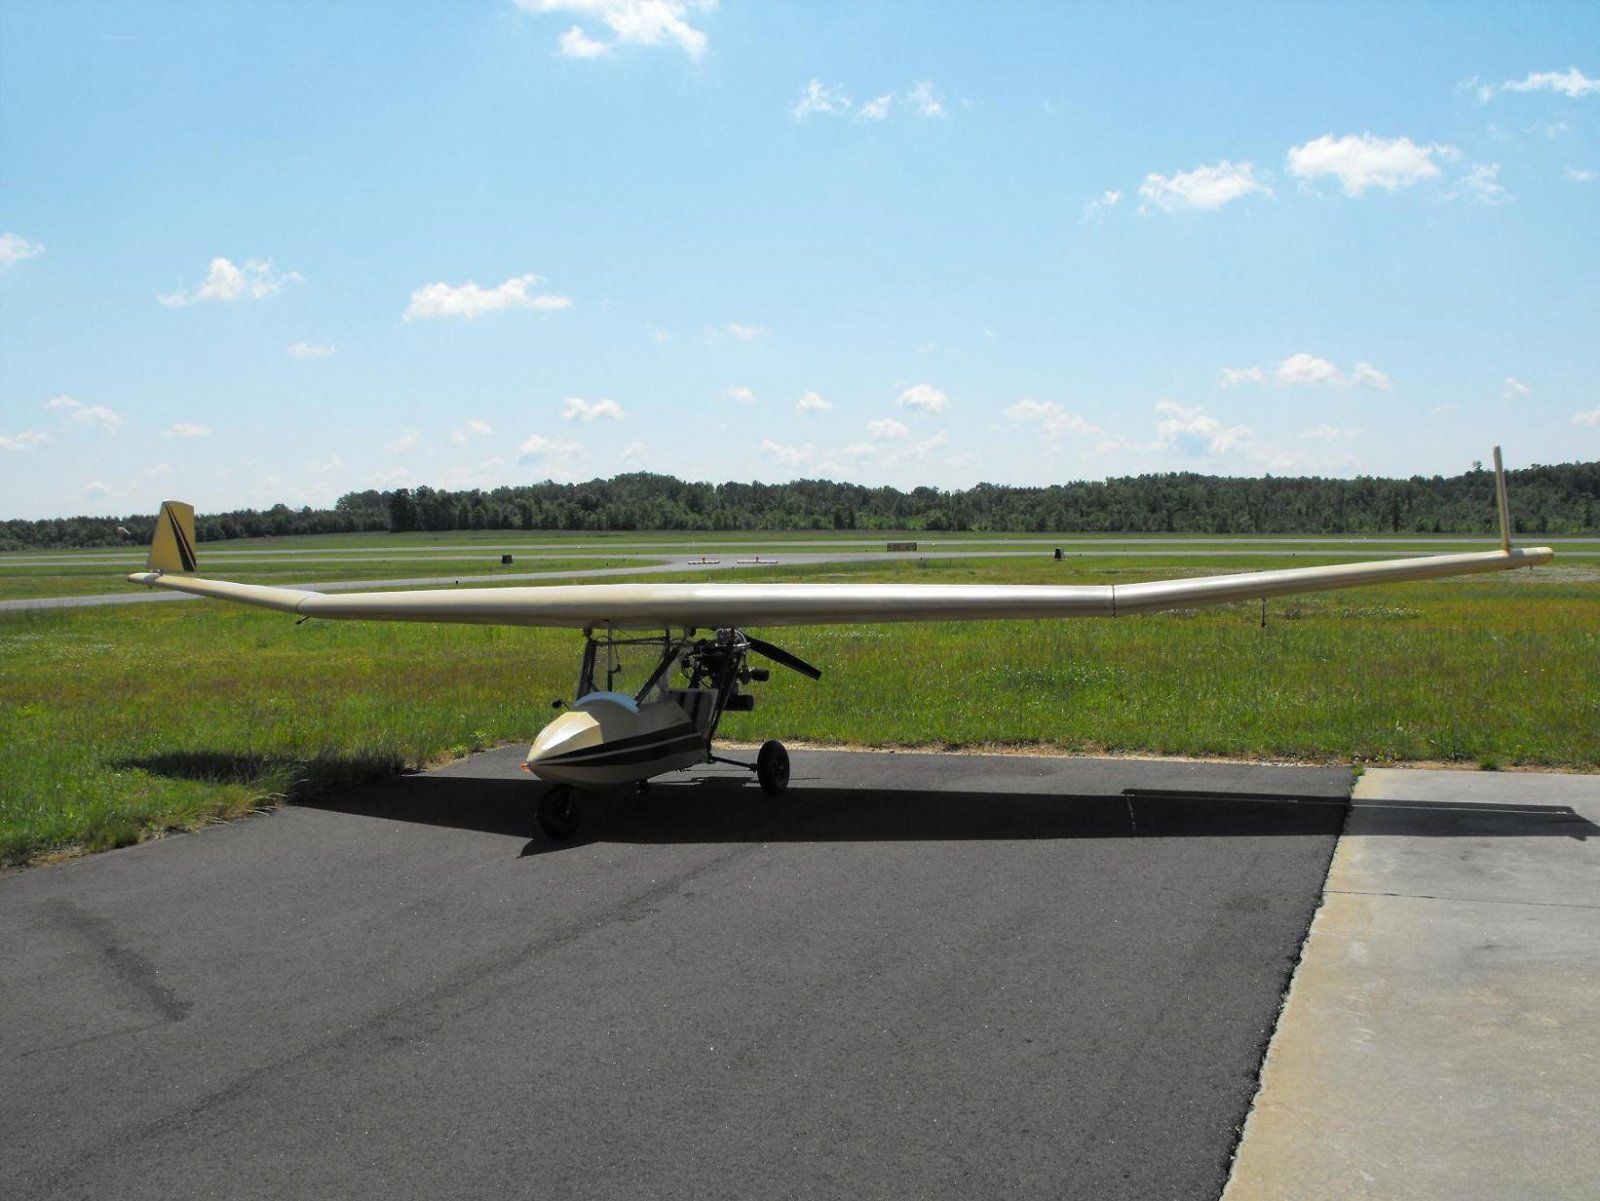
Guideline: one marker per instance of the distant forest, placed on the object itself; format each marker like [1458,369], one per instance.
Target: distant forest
[1561,499]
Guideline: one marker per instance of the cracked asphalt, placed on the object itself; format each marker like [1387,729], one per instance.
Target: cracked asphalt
[915,975]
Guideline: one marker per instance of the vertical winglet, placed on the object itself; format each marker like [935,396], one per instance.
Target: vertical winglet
[1500,502]
[172,546]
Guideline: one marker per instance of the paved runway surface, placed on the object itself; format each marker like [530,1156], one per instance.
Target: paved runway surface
[915,976]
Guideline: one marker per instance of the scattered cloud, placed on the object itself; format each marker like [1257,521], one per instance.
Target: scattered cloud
[889,428]
[79,413]
[632,451]
[324,467]
[927,103]
[409,440]
[876,109]
[812,403]
[310,350]
[577,44]
[14,248]
[1327,433]
[1206,187]
[1367,161]
[1580,175]
[1481,185]
[226,282]
[1571,83]
[539,447]
[1053,421]
[1194,431]
[26,440]
[743,395]
[1305,368]
[188,429]
[1515,389]
[468,429]
[1094,211]
[818,97]
[659,336]
[745,333]
[925,397]
[803,456]
[1233,376]
[1591,418]
[576,407]
[1366,375]
[629,22]
[469,300]
[97,488]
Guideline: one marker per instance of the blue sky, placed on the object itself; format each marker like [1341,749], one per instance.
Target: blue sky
[280,251]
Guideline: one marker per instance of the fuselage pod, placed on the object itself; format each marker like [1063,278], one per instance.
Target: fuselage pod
[608,738]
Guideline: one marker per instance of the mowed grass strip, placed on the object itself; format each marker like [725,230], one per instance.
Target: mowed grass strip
[123,722]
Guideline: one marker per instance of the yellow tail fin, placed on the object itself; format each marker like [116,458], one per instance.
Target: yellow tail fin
[172,548]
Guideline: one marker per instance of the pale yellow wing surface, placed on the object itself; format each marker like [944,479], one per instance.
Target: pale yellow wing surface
[714,606]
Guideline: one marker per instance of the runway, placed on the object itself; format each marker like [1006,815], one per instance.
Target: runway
[929,976]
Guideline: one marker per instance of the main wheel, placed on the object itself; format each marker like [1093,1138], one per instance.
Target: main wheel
[558,813]
[772,767]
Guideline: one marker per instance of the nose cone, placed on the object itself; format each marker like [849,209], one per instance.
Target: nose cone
[572,731]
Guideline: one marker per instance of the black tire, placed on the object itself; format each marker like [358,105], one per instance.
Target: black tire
[558,813]
[772,767]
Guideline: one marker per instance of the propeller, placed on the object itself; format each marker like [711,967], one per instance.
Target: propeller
[783,658]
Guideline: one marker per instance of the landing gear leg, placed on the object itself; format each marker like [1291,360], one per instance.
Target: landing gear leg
[772,767]
[558,813]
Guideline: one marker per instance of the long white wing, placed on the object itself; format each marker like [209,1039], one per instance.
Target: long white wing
[756,605]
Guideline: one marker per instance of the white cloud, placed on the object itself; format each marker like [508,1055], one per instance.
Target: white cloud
[742,395]
[745,333]
[1094,211]
[790,456]
[1369,376]
[577,44]
[539,447]
[818,97]
[159,471]
[1305,368]
[632,451]
[927,103]
[468,428]
[1572,83]
[26,440]
[226,282]
[14,248]
[659,336]
[631,22]
[1482,185]
[925,397]
[1580,175]
[1590,418]
[79,413]
[812,403]
[409,440]
[1233,376]
[1206,187]
[1194,430]
[1515,389]
[97,488]
[389,476]
[1367,161]
[469,300]
[876,109]
[188,429]
[323,468]
[915,452]
[310,350]
[1053,421]
[888,427]
[588,410]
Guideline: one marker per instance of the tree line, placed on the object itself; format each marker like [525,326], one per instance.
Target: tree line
[1559,499]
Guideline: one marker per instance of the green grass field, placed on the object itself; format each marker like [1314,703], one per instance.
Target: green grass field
[123,721]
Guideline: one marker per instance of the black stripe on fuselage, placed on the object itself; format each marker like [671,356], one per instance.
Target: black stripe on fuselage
[679,746]
[682,729]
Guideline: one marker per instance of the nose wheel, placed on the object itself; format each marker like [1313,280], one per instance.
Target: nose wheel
[558,813]
[772,767]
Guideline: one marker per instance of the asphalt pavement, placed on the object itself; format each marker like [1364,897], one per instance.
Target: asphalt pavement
[913,976]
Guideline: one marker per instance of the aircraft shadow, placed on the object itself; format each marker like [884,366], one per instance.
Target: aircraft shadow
[722,809]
